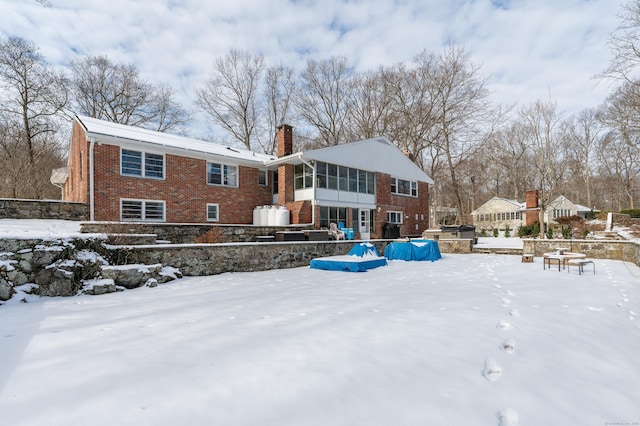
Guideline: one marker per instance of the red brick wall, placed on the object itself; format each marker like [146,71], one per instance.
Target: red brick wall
[410,206]
[184,190]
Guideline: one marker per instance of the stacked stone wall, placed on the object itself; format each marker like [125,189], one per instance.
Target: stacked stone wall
[11,208]
[596,249]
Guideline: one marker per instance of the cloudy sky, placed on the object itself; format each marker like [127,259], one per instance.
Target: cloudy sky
[529,49]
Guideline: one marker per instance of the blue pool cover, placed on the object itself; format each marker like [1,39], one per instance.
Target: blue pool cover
[413,250]
[361,257]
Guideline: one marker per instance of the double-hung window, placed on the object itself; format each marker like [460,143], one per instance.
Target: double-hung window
[142,164]
[213,212]
[404,187]
[394,217]
[222,174]
[142,210]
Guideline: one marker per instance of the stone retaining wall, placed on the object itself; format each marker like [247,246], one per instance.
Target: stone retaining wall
[42,209]
[188,233]
[210,259]
[597,249]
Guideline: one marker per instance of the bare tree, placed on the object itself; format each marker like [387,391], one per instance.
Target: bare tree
[322,98]
[230,96]
[583,132]
[369,107]
[115,92]
[624,44]
[414,124]
[541,122]
[620,114]
[32,102]
[280,84]
[466,118]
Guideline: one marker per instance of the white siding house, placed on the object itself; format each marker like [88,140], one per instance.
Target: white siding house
[499,213]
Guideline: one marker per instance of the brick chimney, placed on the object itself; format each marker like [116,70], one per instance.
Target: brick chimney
[531,205]
[285,140]
[285,171]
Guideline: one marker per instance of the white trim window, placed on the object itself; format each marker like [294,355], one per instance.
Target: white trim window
[395,217]
[222,174]
[404,187]
[263,179]
[141,164]
[213,212]
[142,210]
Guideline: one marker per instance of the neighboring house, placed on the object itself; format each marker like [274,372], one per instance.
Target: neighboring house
[126,173]
[562,206]
[499,213]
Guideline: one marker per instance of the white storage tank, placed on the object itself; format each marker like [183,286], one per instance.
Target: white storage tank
[282,216]
[264,216]
[256,215]
[272,216]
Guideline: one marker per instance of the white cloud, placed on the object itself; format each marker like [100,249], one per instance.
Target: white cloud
[530,48]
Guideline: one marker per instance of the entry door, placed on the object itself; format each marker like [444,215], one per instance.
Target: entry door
[365,219]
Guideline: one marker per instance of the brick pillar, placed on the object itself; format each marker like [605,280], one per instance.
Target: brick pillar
[285,171]
[531,204]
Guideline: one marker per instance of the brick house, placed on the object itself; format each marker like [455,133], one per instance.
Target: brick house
[126,173]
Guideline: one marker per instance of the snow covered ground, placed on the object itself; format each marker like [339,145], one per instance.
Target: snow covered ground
[467,340]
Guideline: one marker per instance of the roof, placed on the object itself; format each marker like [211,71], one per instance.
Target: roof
[375,154]
[121,133]
[515,203]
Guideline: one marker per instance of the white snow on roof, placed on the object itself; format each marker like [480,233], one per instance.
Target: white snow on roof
[376,154]
[100,128]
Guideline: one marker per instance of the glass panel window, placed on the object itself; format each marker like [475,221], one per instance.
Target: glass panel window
[135,163]
[262,178]
[302,176]
[131,163]
[230,175]
[221,174]
[332,176]
[394,217]
[212,212]
[362,181]
[404,187]
[343,178]
[353,180]
[142,210]
[332,214]
[321,174]
[371,183]
[154,166]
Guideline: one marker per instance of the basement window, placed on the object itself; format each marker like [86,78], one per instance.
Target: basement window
[142,210]
[213,212]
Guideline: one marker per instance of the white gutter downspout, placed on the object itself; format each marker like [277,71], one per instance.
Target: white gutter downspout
[313,201]
[92,143]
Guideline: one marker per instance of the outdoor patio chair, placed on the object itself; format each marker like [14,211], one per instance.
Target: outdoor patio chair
[335,233]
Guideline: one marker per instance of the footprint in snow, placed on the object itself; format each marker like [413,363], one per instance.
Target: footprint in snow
[492,371]
[514,313]
[503,325]
[508,417]
[506,301]
[509,346]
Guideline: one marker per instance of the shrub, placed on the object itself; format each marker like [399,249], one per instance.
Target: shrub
[495,232]
[631,212]
[507,231]
[483,233]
